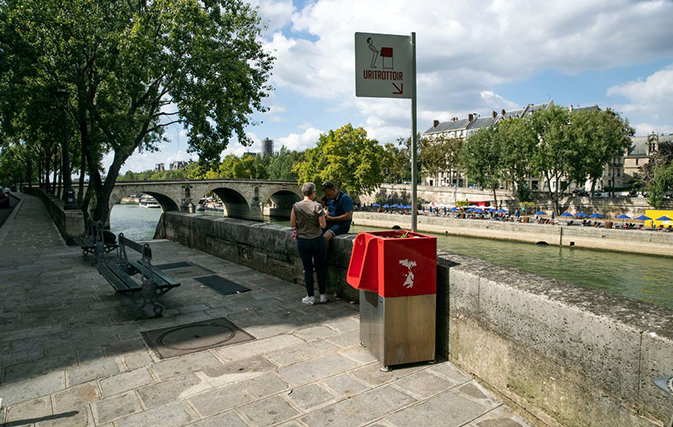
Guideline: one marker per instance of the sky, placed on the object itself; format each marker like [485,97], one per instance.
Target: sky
[472,57]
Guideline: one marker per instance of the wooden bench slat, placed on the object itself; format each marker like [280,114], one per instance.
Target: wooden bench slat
[118,278]
[84,243]
[162,279]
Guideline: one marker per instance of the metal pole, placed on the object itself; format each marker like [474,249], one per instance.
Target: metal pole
[414,142]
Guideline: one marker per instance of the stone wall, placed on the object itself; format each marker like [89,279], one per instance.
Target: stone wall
[565,354]
[70,223]
[635,241]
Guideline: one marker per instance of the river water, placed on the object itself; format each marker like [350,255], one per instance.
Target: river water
[644,277]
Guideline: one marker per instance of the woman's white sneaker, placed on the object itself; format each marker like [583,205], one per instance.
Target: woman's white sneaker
[308,300]
[323,298]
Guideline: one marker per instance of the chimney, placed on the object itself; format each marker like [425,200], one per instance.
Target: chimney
[503,112]
[470,117]
[494,115]
[435,123]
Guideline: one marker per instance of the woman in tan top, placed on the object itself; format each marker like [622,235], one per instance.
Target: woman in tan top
[308,217]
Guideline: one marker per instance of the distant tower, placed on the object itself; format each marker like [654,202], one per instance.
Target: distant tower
[267,147]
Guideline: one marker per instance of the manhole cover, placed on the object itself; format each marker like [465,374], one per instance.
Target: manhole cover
[176,341]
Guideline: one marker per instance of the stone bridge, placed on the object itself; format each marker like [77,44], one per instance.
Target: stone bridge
[242,198]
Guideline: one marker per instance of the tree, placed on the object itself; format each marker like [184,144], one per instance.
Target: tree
[133,68]
[517,140]
[598,137]
[660,185]
[553,150]
[482,159]
[439,154]
[281,163]
[346,157]
[397,161]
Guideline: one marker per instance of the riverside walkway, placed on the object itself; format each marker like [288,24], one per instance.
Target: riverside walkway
[72,354]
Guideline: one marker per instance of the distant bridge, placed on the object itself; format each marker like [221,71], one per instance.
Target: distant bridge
[242,198]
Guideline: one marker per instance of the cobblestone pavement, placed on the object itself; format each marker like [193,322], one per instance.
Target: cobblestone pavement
[72,354]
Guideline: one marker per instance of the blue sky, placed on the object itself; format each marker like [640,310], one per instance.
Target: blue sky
[471,57]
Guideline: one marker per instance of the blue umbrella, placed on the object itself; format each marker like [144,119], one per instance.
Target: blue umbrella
[501,211]
[595,215]
[492,210]
[386,206]
[478,211]
[567,214]
[376,205]
[643,218]
[664,218]
[540,213]
[580,215]
[622,216]
[454,209]
[393,206]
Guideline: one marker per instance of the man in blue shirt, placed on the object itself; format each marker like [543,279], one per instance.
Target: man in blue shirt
[340,212]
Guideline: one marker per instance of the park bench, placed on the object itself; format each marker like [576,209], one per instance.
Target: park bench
[93,242]
[153,282]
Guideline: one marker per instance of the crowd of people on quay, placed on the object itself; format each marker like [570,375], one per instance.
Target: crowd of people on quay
[485,212]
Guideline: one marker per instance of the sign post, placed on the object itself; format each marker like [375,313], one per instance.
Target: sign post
[385,67]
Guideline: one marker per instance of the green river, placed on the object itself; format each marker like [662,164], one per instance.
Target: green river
[644,277]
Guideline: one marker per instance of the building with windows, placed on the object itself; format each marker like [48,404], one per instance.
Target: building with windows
[159,167]
[177,165]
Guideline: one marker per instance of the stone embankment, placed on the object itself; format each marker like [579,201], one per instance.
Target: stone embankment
[566,355]
[632,241]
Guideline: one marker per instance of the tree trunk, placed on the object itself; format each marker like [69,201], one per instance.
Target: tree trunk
[495,198]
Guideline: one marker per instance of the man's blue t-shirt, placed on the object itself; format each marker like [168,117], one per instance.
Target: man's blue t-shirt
[339,206]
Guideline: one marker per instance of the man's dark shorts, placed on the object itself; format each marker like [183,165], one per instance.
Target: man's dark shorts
[338,228]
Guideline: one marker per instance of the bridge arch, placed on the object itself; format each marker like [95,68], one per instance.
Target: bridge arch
[235,203]
[279,204]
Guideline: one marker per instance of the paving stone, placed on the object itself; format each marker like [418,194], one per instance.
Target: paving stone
[258,347]
[12,358]
[124,347]
[116,407]
[316,369]
[29,389]
[316,332]
[218,400]
[92,371]
[346,339]
[309,397]
[175,388]
[423,384]
[267,331]
[360,409]
[238,371]
[344,324]
[77,418]
[448,371]
[372,375]
[74,398]
[500,417]
[269,411]
[444,410]
[125,381]
[90,355]
[344,385]
[193,308]
[30,369]
[35,408]
[175,414]
[137,359]
[302,352]
[359,354]
[263,385]
[185,364]
[479,394]
[22,334]
[228,419]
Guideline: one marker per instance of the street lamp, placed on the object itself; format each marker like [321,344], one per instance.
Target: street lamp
[68,192]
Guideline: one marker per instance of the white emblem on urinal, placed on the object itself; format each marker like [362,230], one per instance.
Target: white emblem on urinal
[409,282]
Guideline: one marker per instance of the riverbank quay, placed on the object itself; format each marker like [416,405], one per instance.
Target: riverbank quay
[570,355]
[72,354]
[629,241]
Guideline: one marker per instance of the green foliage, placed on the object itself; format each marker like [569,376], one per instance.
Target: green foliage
[281,163]
[346,157]
[482,159]
[660,185]
[518,142]
[397,161]
[133,68]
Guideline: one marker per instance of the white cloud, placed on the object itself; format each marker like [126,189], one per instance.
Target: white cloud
[463,48]
[300,142]
[649,99]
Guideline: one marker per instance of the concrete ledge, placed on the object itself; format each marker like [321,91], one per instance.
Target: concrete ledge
[633,241]
[70,223]
[568,355]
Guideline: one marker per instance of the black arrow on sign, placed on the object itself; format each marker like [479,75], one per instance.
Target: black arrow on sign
[400,90]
